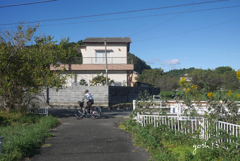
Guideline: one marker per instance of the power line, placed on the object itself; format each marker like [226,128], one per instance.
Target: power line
[191,30]
[142,16]
[114,13]
[14,5]
[125,18]
[163,22]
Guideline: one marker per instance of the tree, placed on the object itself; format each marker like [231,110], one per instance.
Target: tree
[224,77]
[76,57]
[139,64]
[150,76]
[210,78]
[25,62]
[100,80]
[179,72]
[157,78]
[222,70]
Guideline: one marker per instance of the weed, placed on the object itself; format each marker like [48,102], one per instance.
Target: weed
[21,140]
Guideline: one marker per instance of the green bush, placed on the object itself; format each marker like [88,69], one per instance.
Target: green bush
[21,140]
[7,119]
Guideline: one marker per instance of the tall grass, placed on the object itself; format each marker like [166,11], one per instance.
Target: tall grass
[24,134]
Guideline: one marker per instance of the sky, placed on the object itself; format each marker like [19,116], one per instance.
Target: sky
[170,34]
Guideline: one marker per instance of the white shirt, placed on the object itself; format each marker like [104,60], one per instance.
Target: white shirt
[87,97]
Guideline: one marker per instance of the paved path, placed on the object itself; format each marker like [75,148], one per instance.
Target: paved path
[105,113]
[88,139]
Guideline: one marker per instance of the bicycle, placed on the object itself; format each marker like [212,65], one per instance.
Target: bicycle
[95,112]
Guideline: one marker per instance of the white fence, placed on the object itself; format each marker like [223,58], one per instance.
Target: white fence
[189,125]
[186,124]
[41,108]
[179,107]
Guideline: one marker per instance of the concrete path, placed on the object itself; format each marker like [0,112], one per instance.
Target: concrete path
[105,113]
[90,139]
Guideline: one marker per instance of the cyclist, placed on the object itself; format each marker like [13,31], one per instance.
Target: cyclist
[88,99]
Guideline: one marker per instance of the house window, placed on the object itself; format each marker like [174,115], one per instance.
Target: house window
[100,57]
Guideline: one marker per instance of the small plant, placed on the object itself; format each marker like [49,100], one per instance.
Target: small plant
[83,82]
[100,80]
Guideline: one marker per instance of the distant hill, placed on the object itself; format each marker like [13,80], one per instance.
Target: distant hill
[179,72]
[139,64]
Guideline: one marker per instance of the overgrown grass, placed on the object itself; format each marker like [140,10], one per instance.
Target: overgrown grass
[23,134]
[163,144]
[7,119]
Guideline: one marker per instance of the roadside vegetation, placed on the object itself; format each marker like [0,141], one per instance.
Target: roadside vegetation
[166,144]
[23,134]
[25,61]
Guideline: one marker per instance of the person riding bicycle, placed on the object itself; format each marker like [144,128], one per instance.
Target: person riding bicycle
[88,99]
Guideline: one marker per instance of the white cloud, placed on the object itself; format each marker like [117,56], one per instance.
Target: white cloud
[174,63]
[207,58]
[184,58]
[149,62]
[234,54]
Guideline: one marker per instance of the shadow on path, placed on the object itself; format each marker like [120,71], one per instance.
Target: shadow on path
[90,139]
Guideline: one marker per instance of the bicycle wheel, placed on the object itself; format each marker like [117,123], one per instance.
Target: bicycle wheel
[79,112]
[96,113]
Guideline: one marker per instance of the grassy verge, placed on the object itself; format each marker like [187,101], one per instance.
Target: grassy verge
[165,145]
[23,134]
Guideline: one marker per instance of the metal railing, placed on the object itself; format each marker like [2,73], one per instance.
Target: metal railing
[98,60]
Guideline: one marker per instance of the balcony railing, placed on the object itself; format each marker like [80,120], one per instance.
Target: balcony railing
[98,60]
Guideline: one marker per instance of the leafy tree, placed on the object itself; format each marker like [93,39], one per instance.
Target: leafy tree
[222,70]
[76,57]
[224,77]
[179,72]
[25,68]
[139,65]
[100,80]
[203,78]
[150,76]
[157,78]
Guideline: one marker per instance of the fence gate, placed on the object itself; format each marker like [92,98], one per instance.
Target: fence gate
[40,108]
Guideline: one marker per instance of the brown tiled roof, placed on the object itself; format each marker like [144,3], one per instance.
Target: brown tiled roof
[109,39]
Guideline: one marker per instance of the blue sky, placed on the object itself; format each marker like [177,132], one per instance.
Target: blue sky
[171,38]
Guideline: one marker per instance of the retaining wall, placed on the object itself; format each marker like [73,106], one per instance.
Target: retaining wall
[103,95]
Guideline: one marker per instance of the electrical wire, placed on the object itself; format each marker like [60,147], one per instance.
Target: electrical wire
[164,14]
[190,30]
[164,21]
[114,13]
[14,5]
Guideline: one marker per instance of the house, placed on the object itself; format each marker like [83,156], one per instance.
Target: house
[93,63]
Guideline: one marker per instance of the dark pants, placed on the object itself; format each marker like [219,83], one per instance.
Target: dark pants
[89,106]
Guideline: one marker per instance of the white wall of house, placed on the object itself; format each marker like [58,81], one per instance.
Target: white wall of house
[117,54]
[118,76]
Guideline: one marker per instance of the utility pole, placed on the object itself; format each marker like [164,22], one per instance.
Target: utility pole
[105,43]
